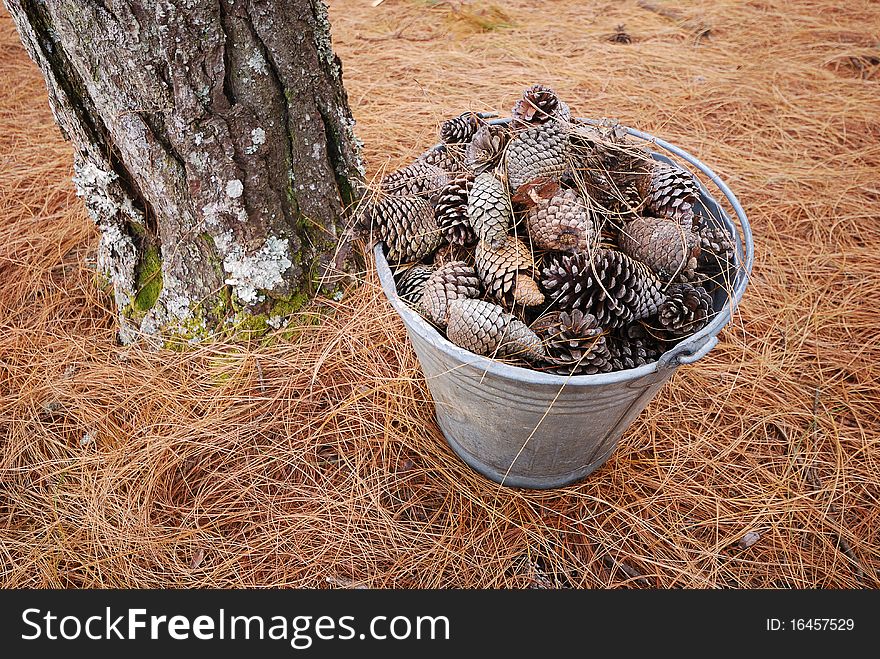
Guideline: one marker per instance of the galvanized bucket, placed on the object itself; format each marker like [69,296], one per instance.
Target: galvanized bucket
[524,428]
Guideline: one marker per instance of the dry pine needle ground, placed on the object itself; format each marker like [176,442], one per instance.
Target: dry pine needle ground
[313,460]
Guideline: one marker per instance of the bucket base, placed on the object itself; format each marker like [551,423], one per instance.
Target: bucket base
[528,482]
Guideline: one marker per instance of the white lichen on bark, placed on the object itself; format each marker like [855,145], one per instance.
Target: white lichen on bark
[257,63]
[322,37]
[117,260]
[258,138]
[277,322]
[174,299]
[117,255]
[91,183]
[348,124]
[234,188]
[249,274]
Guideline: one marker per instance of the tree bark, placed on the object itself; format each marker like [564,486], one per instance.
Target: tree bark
[213,146]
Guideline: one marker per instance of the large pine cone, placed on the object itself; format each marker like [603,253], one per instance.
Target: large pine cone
[631,347]
[539,104]
[506,271]
[418,178]
[671,192]
[561,222]
[687,309]
[406,225]
[613,287]
[667,247]
[460,129]
[536,154]
[487,329]
[449,282]
[574,342]
[451,211]
[411,281]
[489,208]
[486,147]
[717,259]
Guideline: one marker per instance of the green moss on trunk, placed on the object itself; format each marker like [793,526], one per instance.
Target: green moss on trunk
[148,278]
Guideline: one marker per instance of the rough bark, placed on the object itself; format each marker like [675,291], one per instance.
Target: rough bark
[213,146]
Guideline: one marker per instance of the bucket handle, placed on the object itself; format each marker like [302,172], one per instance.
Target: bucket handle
[688,352]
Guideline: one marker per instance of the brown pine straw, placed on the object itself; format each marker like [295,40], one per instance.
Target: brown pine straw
[312,459]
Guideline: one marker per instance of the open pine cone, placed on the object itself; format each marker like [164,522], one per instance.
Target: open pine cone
[687,309]
[460,129]
[670,192]
[607,283]
[717,258]
[631,346]
[451,211]
[575,343]
[407,226]
[540,104]
[485,149]
[410,282]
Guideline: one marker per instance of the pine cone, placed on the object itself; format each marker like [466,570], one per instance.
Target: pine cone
[631,347]
[489,208]
[485,328]
[717,259]
[670,192]
[449,282]
[460,129]
[687,309]
[505,270]
[406,225]
[448,157]
[411,281]
[561,222]
[418,178]
[613,287]
[526,291]
[485,148]
[668,248]
[539,104]
[574,342]
[536,154]
[451,211]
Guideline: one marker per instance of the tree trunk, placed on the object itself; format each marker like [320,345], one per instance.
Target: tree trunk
[213,146]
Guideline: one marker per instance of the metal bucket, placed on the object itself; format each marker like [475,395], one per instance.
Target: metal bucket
[524,428]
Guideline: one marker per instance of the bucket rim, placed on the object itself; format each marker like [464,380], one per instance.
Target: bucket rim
[687,351]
